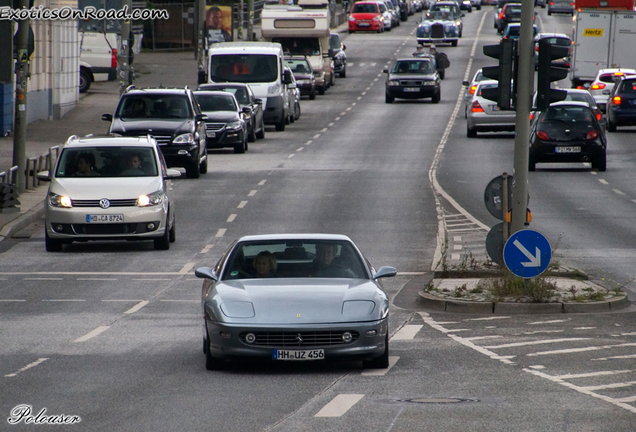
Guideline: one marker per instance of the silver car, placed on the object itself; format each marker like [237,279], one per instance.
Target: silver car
[485,116]
[109,188]
[604,82]
[295,297]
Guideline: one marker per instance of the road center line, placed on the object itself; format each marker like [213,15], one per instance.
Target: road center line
[29,366]
[242,204]
[231,217]
[137,307]
[187,267]
[339,405]
[92,334]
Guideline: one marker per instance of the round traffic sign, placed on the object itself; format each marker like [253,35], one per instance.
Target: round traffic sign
[527,253]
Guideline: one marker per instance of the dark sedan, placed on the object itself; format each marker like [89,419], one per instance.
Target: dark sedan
[295,297]
[412,78]
[225,123]
[245,97]
[303,74]
[567,132]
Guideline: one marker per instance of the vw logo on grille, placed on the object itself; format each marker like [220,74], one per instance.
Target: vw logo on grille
[299,339]
[104,203]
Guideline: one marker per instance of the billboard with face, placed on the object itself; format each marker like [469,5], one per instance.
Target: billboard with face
[218,23]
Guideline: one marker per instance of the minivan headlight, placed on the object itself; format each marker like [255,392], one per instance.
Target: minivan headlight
[56,200]
[154,198]
[187,138]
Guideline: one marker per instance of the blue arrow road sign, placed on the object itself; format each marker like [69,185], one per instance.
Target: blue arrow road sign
[527,253]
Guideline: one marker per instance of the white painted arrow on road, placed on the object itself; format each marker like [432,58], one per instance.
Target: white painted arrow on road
[535,261]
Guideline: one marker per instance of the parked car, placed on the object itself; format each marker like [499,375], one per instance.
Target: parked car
[294,297]
[294,98]
[395,13]
[438,27]
[339,56]
[225,122]
[485,116]
[561,6]
[412,78]
[304,75]
[366,16]
[603,83]
[109,188]
[245,97]
[387,15]
[98,58]
[173,117]
[567,132]
[621,105]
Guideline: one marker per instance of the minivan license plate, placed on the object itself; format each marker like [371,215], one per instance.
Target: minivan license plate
[109,218]
[298,355]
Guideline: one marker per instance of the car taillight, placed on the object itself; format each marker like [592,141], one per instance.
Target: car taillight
[591,135]
[599,86]
[599,116]
[543,135]
[113,58]
[501,15]
[531,115]
[472,89]
[617,100]
[476,107]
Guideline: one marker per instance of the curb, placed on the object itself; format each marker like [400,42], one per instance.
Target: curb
[439,304]
[22,221]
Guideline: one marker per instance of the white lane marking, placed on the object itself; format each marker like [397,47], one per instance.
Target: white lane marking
[432,173]
[618,192]
[447,322]
[152,279]
[220,232]
[252,193]
[363,93]
[92,334]
[403,273]
[431,322]
[549,322]
[29,366]
[615,357]
[482,337]
[8,300]
[337,119]
[331,124]
[458,247]
[188,266]
[343,113]
[456,256]
[458,330]
[375,79]
[231,217]
[316,136]
[349,108]
[300,149]
[539,342]
[96,279]
[381,372]
[457,238]
[582,390]
[628,334]
[182,301]
[43,278]
[122,300]
[136,307]
[206,249]
[487,318]
[543,331]
[603,181]
[63,300]
[584,328]
[610,386]
[242,204]
[339,405]
[262,182]
[573,350]
[627,399]
[407,332]
[359,98]
[537,367]
[592,374]
[290,156]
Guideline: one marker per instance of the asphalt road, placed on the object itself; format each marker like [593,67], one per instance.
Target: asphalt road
[111,332]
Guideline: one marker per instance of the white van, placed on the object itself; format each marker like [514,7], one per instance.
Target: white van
[258,64]
[98,58]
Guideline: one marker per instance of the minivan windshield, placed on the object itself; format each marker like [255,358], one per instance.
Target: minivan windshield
[107,162]
[244,68]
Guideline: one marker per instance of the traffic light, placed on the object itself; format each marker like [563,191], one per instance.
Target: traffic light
[503,73]
[548,73]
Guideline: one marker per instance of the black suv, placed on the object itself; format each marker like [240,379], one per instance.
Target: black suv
[172,117]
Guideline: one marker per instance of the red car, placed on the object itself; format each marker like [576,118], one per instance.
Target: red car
[366,16]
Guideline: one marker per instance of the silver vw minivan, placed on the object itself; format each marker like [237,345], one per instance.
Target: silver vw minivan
[109,188]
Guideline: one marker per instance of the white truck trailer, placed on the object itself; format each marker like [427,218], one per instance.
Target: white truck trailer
[302,30]
[601,39]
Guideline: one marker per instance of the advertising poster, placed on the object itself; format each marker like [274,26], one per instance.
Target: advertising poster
[218,20]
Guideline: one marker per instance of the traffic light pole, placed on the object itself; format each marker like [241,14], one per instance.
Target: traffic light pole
[522,127]
[21,90]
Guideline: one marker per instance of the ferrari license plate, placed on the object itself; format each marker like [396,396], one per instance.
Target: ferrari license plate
[298,355]
[411,89]
[110,218]
[575,149]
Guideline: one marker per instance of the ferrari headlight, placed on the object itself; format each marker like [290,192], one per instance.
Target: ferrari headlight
[187,138]
[234,125]
[150,199]
[56,200]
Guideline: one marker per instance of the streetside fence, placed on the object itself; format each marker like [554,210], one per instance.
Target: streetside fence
[33,166]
